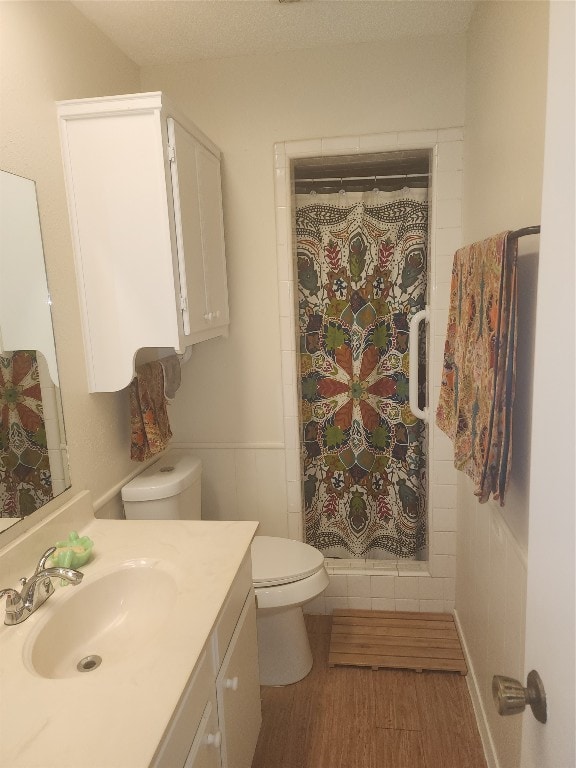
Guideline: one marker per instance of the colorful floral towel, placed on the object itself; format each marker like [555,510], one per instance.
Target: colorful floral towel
[477,392]
[148,414]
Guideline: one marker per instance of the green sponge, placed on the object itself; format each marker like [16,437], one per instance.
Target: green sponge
[72,553]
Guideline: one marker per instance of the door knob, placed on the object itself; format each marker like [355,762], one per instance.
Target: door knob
[511,697]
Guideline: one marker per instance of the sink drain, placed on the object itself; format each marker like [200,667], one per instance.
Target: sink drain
[88,663]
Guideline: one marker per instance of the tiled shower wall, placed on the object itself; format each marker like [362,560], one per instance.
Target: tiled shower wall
[424,586]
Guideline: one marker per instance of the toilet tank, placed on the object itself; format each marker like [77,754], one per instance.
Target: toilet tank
[169,489]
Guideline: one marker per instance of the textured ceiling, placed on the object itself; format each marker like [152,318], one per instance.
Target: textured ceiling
[155,32]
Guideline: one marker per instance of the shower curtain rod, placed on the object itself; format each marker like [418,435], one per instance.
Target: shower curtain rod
[535,230]
[364,178]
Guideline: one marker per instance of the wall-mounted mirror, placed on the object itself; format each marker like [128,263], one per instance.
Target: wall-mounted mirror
[33,454]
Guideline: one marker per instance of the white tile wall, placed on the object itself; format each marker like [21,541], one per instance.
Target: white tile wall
[490,610]
[359,586]
[450,155]
[406,587]
[448,240]
[443,519]
[384,604]
[407,605]
[378,142]
[340,144]
[443,267]
[397,589]
[247,483]
[382,586]
[295,526]
[430,589]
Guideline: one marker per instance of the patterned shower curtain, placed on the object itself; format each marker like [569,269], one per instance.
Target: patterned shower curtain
[362,266]
[25,479]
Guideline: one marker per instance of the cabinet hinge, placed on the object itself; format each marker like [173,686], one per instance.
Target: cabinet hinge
[183,303]
[171,153]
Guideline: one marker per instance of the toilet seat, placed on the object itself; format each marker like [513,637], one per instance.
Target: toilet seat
[277,561]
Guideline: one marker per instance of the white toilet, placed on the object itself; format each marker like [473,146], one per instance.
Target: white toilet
[286,573]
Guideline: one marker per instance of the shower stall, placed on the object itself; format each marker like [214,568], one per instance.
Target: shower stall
[360,236]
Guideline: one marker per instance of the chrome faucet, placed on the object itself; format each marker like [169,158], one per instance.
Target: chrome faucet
[35,590]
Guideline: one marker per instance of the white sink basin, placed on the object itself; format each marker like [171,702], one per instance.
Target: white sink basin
[101,622]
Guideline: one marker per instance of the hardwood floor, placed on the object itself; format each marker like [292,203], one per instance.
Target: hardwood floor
[346,717]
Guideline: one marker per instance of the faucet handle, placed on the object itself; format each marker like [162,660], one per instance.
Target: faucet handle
[42,562]
[9,593]
[13,602]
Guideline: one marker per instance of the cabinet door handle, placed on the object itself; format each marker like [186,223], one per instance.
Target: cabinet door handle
[208,316]
[214,739]
[217,314]
[232,683]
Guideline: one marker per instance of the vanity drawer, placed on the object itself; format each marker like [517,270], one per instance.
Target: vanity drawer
[231,610]
[175,745]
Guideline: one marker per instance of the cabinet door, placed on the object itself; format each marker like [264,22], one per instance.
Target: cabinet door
[189,717]
[116,186]
[238,692]
[212,229]
[205,749]
[186,194]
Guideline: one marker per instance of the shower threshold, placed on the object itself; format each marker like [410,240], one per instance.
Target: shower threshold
[377,567]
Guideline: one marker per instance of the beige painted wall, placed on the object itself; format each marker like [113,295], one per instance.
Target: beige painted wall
[231,390]
[503,163]
[504,152]
[48,51]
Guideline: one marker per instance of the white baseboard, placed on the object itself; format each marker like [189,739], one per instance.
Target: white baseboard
[479,711]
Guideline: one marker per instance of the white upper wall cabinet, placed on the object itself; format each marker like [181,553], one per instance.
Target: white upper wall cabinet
[144,196]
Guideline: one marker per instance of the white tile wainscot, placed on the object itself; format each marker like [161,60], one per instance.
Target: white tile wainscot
[367,586]
[247,482]
[490,613]
[370,584]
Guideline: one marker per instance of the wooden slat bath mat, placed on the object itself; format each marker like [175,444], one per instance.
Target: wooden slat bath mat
[396,639]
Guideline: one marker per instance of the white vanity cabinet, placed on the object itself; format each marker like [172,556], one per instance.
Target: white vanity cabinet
[238,692]
[144,195]
[193,736]
[218,718]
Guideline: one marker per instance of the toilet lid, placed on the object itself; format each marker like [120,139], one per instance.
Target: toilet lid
[281,561]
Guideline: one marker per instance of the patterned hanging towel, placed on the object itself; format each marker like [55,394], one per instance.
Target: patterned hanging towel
[172,375]
[477,391]
[150,428]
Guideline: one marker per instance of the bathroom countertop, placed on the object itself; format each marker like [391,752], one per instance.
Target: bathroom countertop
[116,715]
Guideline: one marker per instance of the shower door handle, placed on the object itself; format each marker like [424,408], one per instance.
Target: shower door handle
[424,314]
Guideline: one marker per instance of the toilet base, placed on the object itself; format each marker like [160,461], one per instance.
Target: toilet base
[284,653]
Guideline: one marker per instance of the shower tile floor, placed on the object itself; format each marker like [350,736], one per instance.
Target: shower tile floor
[356,718]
